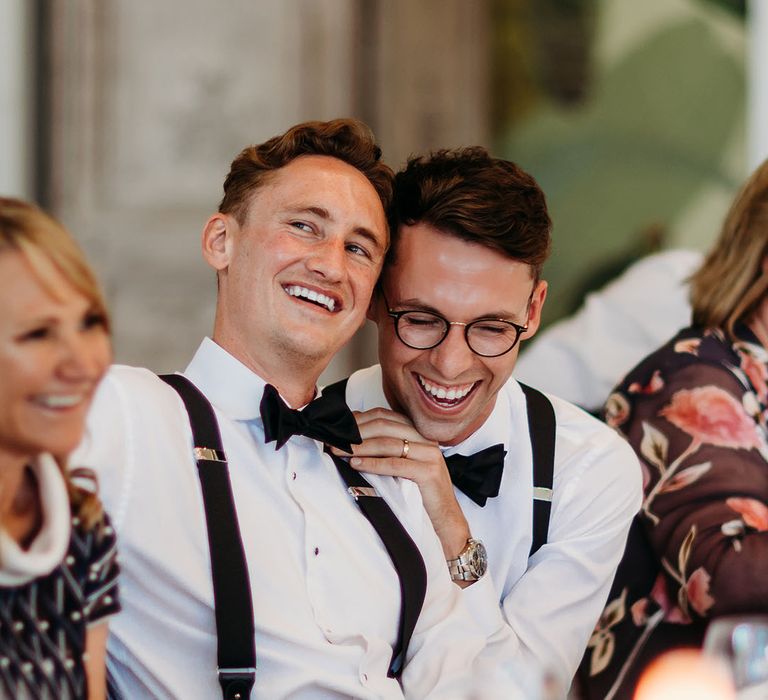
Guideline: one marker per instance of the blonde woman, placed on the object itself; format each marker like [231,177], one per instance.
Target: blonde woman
[57,552]
[696,412]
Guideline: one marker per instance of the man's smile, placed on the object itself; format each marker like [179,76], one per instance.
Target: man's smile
[310,295]
[445,396]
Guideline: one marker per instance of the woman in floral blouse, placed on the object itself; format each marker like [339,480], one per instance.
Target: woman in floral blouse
[696,412]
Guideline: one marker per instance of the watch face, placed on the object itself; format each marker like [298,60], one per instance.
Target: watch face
[478,559]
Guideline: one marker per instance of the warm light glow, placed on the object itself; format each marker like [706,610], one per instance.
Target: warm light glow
[685,674]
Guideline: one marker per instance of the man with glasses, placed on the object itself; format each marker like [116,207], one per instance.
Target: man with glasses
[460,287]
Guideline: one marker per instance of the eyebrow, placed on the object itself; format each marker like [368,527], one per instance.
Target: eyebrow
[417,305]
[324,214]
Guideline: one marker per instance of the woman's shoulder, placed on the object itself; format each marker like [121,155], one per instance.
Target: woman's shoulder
[692,349]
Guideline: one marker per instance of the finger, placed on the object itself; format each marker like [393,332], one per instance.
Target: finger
[395,448]
[387,466]
[387,428]
[381,414]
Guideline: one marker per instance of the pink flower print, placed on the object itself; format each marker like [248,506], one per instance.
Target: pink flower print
[711,415]
[639,612]
[660,596]
[697,590]
[616,410]
[753,512]
[655,383]
[690,345]
[757,373]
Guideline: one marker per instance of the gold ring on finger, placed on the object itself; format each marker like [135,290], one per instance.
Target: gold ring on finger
[406,449]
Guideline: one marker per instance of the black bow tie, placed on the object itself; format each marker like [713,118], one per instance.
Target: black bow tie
[327,419]
[479,475]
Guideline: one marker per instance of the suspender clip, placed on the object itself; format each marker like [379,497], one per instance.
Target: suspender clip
[209,454]
[357,491]
[540,493]
[237,683]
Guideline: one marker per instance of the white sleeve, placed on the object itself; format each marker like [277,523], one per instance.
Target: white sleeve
[450,655]
[555,604]
[106,443]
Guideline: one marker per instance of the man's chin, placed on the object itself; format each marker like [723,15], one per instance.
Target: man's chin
[441,431]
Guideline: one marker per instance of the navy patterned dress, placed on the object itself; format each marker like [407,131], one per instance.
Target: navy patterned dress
[43,622]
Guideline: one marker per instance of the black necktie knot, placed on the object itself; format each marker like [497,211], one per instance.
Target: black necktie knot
[479,475]
[327,419]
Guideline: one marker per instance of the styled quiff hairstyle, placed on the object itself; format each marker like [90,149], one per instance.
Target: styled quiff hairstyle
[730,284]
[469,194]
[51,253]
[349,140]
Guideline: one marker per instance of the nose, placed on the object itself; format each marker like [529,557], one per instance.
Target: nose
[84,356]
[329,259]
[452,357]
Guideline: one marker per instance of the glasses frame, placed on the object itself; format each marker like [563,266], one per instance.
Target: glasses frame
[397,315]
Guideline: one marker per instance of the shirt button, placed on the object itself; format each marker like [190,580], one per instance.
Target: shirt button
[363,677]
[317,551]
[293,476]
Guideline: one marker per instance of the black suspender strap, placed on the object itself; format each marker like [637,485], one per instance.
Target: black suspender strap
[236,654]
[404,553]
[541,427]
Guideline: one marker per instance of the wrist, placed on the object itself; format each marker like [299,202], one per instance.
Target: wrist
[470,564]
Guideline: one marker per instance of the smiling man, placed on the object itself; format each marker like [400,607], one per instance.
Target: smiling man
[339,583]
[460,288]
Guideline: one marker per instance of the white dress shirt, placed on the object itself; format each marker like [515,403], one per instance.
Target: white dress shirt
[551,601]
[326,597]
[584,356]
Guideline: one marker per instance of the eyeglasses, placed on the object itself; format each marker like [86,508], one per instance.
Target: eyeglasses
[424,330]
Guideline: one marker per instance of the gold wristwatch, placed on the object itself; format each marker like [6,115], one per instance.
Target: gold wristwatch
[471,563]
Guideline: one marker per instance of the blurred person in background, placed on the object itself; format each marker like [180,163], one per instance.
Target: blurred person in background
[528,484]
[696,413]
[276,551]
[58,571]
[582,357]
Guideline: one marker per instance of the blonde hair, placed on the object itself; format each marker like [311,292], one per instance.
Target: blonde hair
[51,252]
[729,286]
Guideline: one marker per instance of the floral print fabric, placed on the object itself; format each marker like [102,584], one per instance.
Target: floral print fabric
[695,412]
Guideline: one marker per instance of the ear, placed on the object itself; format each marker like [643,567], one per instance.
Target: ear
[218,236]
[534,310]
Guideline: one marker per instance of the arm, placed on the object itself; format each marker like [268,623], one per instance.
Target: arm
[384,432]
[706,506]
[450,656]
[95,660]
[553,606]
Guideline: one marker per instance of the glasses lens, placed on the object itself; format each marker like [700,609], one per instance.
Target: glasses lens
[420,329]
[491,338]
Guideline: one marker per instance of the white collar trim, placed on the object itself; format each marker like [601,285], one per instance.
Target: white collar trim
[19,566]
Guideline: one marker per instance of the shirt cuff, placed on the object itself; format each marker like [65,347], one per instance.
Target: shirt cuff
[483,604]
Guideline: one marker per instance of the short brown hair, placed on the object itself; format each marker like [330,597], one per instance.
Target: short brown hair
[730,284]
[349,140]
[468,193]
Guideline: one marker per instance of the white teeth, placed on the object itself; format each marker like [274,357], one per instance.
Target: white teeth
[439,392]
[296,291]
[60,401]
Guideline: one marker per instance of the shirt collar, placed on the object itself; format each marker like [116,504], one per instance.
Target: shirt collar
[226,382]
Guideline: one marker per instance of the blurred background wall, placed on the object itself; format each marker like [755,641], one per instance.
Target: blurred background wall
[122,116]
